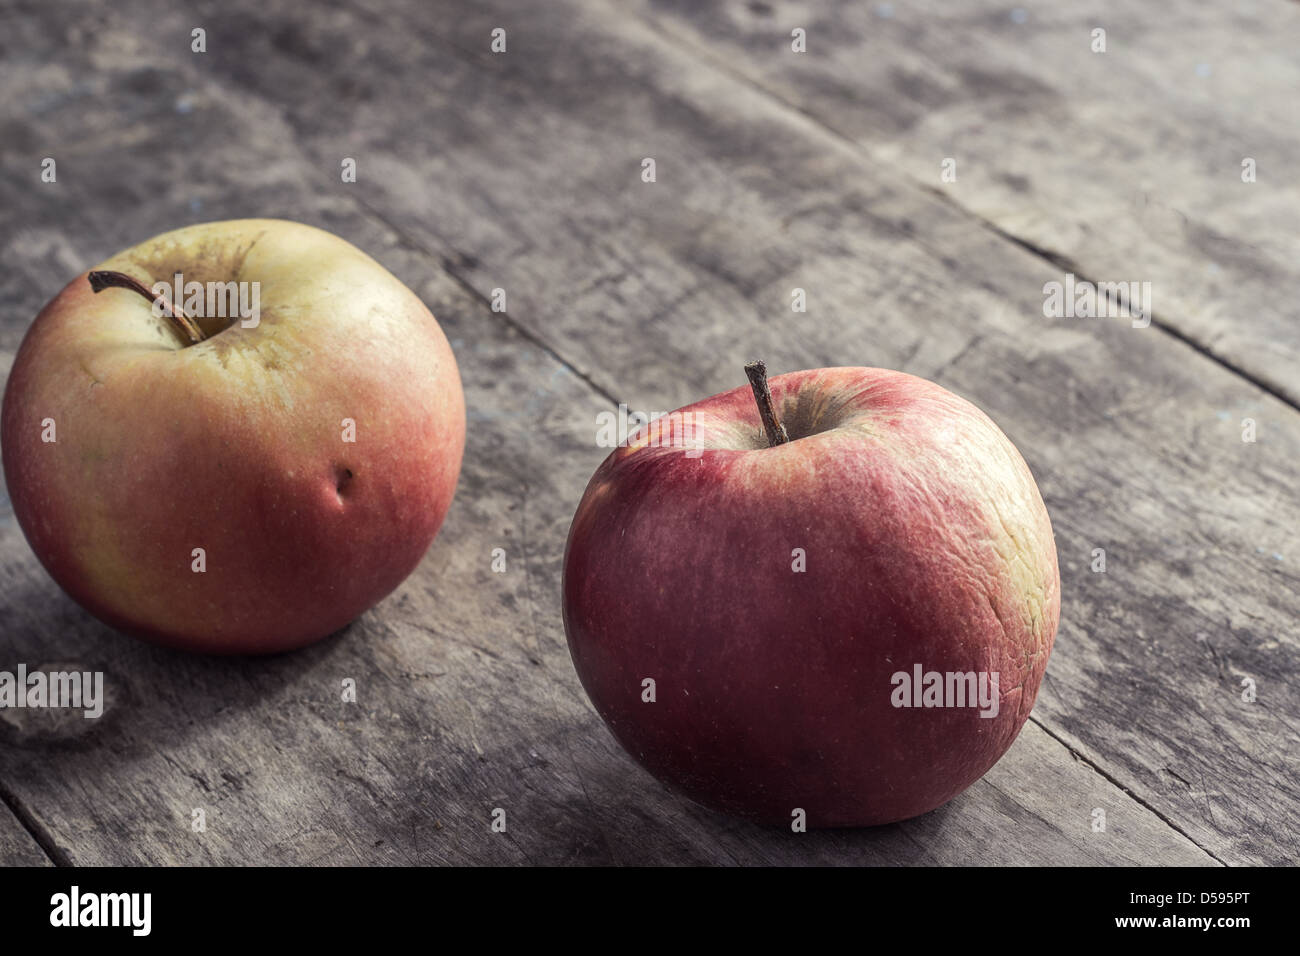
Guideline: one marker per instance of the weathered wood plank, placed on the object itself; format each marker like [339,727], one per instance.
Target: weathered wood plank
[529,162]
[468,698]
[1124,165]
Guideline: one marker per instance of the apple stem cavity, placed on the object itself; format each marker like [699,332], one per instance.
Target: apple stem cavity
[107,279]
[776,434]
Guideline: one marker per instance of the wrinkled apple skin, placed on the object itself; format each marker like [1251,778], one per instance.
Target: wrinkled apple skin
[235,445]
[926,542]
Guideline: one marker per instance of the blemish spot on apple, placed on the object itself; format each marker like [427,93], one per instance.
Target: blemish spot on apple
[342,480]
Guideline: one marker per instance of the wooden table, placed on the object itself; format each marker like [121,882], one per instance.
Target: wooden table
[775,170]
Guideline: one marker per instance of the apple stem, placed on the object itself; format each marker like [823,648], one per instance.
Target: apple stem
[105,279]
[776,435]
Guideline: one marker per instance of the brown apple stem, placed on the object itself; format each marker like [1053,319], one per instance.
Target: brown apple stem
[757,372]
[120,280]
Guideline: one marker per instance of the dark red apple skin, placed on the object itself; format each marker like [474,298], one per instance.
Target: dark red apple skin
[773,688]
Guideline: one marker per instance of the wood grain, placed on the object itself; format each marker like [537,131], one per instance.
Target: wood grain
[522,171]
[1118,165]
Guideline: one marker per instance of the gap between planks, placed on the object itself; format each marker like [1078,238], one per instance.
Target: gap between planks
[33,828]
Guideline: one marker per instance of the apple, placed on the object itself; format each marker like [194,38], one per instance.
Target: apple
[834,610]
[245,482]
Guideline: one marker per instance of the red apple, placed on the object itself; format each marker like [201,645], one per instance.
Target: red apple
[749,615]
[250,492]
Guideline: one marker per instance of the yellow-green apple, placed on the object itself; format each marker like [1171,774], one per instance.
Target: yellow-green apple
[237,483]
[844,628]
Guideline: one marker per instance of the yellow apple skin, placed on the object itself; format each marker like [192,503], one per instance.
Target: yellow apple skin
[235,445]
